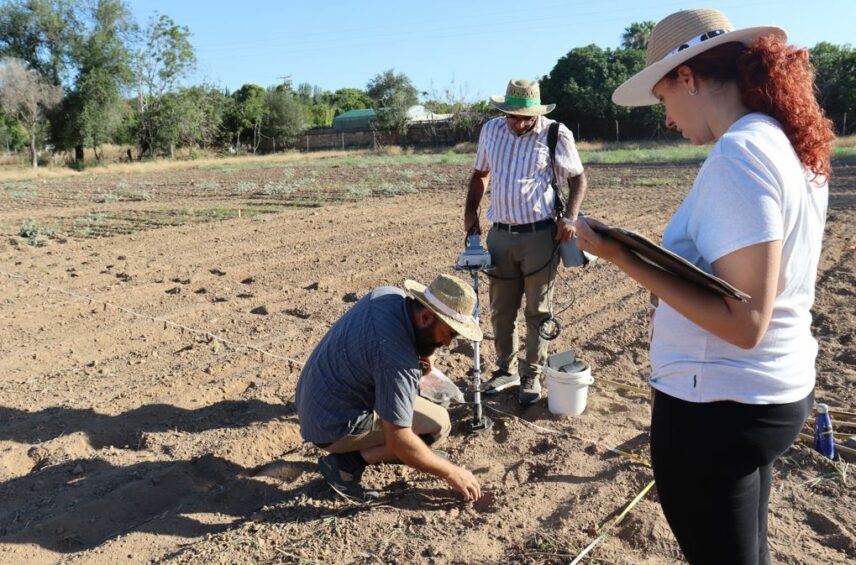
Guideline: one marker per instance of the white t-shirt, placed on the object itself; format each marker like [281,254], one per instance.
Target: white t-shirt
[751,189]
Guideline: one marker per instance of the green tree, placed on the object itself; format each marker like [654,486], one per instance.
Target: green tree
[43,33]
[393,94]
[389,89]
[192,117]
[347,99]
[835,68]
[636,35]
[249,112]
[467,118]
[27,96]
[318,115]
[285,118]
[166,57]
[93,111]
[581,84]
[306,93]
[13,137]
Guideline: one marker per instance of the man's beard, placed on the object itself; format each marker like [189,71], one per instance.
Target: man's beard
[425,344]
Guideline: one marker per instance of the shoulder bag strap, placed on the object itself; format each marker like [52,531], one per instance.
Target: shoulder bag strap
[552,141]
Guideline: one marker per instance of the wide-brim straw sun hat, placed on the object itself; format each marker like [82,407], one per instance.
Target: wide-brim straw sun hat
[522,98]
[677,39]
[452,300]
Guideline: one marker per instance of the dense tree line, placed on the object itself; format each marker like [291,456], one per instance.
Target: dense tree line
[79,74]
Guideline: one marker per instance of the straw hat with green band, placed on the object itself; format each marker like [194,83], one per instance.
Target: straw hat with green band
[452,300]
[522,98]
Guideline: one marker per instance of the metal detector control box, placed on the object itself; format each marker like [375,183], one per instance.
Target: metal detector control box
[474,257]
[566,362]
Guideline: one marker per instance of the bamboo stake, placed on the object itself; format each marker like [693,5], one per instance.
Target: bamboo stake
[622,386]
[835,423]
[838,447]
[835,412]
[605,530]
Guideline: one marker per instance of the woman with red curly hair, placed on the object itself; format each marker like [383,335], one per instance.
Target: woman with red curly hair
[733,381]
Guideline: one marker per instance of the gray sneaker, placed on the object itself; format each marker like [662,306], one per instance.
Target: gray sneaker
[349,488]
[499,381]
[530,390]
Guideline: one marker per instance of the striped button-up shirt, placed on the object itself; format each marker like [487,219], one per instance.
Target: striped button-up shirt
[519,167]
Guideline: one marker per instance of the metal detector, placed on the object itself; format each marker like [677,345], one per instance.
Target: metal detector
[475,259]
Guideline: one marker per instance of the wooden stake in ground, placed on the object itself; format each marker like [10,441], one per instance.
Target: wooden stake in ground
[605,530]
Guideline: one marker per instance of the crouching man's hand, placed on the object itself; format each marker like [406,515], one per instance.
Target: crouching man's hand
[403,444]
[464,482]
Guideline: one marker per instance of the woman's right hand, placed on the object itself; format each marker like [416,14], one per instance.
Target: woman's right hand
[590,241]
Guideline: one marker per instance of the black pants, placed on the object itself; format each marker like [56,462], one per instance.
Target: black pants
[713,466]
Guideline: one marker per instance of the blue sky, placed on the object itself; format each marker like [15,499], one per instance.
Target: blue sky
[469,47]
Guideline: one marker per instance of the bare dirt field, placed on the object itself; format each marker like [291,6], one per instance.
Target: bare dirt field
[136,427]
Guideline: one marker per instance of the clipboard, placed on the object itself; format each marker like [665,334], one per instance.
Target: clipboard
[673,264]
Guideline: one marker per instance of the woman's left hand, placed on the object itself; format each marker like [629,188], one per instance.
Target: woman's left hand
[604,247]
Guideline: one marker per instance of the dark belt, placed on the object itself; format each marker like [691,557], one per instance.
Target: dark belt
[525,228]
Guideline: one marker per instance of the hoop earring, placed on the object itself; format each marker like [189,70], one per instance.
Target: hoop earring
[692,92]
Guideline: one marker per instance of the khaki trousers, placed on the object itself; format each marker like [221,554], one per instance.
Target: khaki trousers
[428,419]
[513,255]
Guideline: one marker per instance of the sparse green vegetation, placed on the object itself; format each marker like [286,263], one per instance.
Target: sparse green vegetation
[16,186]
[845,152]
[21,195]
[17,191]
[683,153]
[105,198]
[244,186]
[137,196]
[656,181]
[358,192]
[31,231]
[394,189]
[277,188]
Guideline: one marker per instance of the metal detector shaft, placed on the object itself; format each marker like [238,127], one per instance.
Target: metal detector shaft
[477,407]
[475,259]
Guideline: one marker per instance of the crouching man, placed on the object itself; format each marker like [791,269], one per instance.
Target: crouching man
[357,397]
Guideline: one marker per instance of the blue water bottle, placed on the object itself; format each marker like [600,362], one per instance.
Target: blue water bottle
[823,438]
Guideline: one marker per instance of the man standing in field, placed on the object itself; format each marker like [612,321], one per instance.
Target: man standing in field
[513,157]
[357,396]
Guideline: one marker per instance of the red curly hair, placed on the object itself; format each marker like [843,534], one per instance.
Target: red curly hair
[778,80]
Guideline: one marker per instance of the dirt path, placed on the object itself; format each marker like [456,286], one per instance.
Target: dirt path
[127,438]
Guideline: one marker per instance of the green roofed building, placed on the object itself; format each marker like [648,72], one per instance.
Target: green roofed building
[354,120]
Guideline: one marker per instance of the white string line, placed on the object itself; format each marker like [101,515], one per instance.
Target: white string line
[292,363]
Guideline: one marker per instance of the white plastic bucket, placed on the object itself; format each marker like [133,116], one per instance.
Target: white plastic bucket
[567,393]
